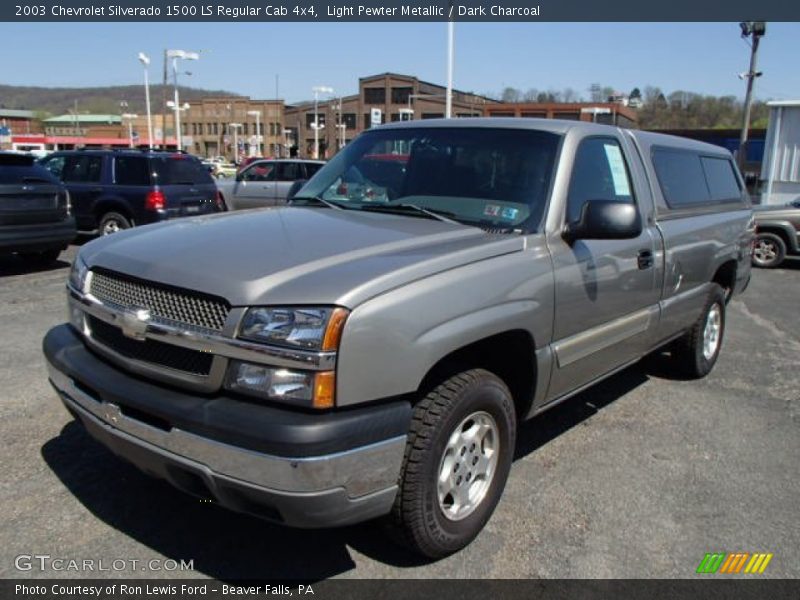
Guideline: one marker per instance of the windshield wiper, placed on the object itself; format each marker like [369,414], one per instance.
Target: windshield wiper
[404,208]
[318,200]
[35,180]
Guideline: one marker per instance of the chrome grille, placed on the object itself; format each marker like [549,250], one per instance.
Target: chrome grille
[151,351]
[182,307]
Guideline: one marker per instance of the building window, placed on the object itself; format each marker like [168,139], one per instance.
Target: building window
[501,113]
[535,114]
[310,119]
[401,95]
[349,119]
[375,95]
[432,115]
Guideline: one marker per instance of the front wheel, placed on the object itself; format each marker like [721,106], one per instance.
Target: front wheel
[458,456]
[696,353]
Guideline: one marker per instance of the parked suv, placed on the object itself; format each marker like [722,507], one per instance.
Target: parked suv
[113,190]
[777,233]
[35,219]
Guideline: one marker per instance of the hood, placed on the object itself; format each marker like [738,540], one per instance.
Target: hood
[295,255]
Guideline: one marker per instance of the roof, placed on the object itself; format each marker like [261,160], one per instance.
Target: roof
[783,103]
[12,113]
[85,119]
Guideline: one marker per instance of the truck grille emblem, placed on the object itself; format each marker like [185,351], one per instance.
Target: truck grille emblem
[133,322]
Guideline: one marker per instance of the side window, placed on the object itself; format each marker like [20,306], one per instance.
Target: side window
[260,172]
[131,170]
[721,178]
[55,165]
[311,169]
[288,171]
[599,173]
[681,177]
[83,169]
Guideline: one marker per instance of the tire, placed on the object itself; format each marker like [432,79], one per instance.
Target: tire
[428,517]
[696,353]
[112,222]
[769,250]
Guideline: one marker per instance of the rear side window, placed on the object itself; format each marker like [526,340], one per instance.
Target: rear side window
[599,173]
[180,170]
[721,178]
[83,169]
[288,171]
[131,170]
[311,169]
[688,179]
[32,173]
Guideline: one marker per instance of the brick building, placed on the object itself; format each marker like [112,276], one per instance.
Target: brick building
[398,97]
[609,113]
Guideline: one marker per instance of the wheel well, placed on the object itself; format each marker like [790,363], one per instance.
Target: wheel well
[112,206]
[726,278]
[509,355]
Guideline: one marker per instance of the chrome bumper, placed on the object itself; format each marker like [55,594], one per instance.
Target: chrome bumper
[333,489]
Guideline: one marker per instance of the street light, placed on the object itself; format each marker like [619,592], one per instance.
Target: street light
[257,115]
[235,127]
[130,117]
[175,55]
[145,60]
[318,89]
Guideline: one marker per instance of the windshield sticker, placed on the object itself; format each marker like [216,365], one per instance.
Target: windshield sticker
[509,213]
[492,210]
[618,173]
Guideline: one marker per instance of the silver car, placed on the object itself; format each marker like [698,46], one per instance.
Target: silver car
[266,182]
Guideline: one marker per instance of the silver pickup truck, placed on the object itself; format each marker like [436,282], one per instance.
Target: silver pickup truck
[369,350]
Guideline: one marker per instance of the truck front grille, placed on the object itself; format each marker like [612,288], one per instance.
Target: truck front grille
[150,351]
[183,307]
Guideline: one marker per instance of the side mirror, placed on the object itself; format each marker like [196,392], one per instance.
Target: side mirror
[605,220]
[299,183]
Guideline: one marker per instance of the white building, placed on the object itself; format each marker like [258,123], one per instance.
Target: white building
[780,169]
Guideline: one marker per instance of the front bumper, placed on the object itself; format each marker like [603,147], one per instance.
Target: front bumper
[301,469]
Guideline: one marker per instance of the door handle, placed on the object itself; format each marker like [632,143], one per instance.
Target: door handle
[645,259]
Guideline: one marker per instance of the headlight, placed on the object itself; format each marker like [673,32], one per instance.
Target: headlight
[312,390]
[301,327]
[77,275]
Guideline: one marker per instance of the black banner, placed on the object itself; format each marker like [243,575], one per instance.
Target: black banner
[395,10]
[455,589]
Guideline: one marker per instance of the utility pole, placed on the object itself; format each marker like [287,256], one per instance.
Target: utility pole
[164,105]
[754,30]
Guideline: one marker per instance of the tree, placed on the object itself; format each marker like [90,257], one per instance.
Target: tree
[510,94]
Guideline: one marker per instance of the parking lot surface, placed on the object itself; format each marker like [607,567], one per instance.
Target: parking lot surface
[639,476]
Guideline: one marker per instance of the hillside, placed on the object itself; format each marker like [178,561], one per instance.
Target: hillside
[105,100]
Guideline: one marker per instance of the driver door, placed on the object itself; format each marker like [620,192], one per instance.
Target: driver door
[255,186]
[606,290]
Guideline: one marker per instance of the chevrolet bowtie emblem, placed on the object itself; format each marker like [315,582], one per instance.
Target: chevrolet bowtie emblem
[133,322]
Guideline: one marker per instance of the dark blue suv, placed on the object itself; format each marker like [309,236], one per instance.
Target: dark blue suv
[113,190]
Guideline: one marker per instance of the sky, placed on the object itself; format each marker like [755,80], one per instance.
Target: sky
[245,58]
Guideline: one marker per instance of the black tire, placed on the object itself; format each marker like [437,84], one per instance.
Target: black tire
[418,516]
[112,222]
[769,250]
[690,354]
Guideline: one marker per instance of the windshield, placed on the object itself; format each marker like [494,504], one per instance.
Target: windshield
[492,178]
